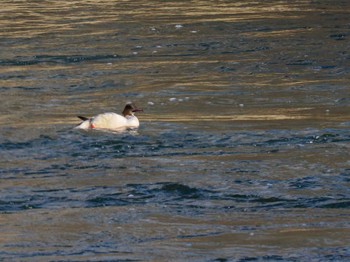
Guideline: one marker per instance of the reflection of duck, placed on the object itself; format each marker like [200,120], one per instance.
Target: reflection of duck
[112,120]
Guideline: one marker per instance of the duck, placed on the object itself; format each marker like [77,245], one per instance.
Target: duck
[112,121]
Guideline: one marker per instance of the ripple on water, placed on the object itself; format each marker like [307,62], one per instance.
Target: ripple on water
[58,59]
[179,196]
[182,178]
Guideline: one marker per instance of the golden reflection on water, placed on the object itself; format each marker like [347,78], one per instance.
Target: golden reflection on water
[193,118]
[64,16]
[176,232]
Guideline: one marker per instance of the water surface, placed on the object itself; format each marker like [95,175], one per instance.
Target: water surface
[243,149]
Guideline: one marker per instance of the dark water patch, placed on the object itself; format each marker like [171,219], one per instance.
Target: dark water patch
[226,69]
[41,173]
[268,258]
[294,139]
[76,58]
[12,173]
[345,176]
[343,101]
[88,146]
[205,46]
[183,191]
[179,189]
[93,146]
[13,205]
[15,145]
[257,49]
[339,204]
[15,77]
[20,199]
[170,144]
[338,36]
[42,140]
[300,63]
[277,141]
[51,190]
[92,166]
[322,67]
[25,62]
[25,88]
[304,183]
[177,195]
[221,259]
[93,251]
[256,202]
[30,173]
[327,137]
[216,233]
[58,59]
[260,202]
[133,194]
[107,200]
[168,191]
[269,200]
[312,202]
[117,146]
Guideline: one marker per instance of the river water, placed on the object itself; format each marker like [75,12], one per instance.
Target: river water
[243,149]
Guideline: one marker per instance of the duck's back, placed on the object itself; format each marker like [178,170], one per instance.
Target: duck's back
[109,121]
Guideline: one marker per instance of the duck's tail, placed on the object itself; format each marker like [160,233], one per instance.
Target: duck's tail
[85,124]
[83,118]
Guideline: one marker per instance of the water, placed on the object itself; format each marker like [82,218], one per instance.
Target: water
[243,149]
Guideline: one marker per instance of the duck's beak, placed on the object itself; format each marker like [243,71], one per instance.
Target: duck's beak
[137,110]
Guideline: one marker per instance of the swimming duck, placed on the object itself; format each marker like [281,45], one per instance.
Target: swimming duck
[111,120]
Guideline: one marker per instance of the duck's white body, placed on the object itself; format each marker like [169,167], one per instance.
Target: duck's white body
[112,121]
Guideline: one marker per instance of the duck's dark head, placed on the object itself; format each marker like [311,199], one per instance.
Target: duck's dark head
[130,109]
